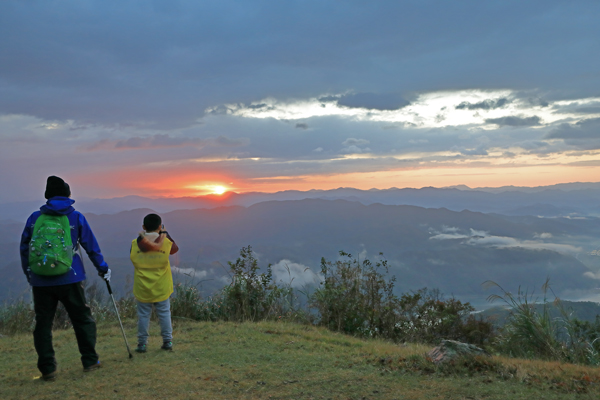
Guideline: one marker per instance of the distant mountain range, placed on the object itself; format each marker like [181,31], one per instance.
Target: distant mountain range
[426,247]
[569,199]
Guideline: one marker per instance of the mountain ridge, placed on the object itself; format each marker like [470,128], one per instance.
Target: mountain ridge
[583,199]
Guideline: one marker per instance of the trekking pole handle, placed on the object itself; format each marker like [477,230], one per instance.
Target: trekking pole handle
[109,288]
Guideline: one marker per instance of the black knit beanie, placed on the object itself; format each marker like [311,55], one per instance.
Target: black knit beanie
[55,186]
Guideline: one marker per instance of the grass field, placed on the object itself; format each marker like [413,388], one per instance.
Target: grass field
[272,360]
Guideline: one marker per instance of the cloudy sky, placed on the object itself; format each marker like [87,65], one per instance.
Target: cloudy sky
[187,97]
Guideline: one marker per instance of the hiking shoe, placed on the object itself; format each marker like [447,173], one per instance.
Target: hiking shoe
[92,367]
[141,348]
[167,346]
[51,376]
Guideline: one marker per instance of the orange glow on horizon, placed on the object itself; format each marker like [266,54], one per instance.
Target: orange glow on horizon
[190,183]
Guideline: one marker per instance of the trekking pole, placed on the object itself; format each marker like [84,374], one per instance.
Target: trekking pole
[118,317]
[114,304]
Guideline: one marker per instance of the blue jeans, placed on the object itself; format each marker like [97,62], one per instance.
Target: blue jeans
[163,311]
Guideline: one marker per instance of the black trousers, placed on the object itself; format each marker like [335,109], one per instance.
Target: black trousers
[45,300]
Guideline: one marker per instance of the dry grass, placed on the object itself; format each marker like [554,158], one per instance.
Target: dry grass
[271,360]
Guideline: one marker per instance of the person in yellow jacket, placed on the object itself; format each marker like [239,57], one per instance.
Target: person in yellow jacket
[152,279]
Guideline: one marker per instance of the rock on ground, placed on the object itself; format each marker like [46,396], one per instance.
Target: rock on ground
[452,349]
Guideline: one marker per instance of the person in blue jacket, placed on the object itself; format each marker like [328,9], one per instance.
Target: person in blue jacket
[67,288]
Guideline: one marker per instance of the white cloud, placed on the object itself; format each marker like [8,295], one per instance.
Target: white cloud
[508,242]
[592,275]
[482,238]
[294,274]
[449,236]
[194,273]
[427,110]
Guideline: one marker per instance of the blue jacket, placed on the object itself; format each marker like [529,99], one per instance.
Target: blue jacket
[80,233]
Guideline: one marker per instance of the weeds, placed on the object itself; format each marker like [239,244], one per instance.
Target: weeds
[530,333]
[20,316]
[16,317]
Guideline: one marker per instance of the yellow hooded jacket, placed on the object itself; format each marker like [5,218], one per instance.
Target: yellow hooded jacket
[152,279]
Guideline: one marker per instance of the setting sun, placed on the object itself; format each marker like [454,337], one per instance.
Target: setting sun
[217,189]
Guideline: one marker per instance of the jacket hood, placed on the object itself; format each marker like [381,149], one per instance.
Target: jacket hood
[58,206]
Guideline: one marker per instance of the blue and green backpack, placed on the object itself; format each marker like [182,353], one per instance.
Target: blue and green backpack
[51,248]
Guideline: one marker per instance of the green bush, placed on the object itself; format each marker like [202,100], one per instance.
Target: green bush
[425,316]
[251,296]
[355,297]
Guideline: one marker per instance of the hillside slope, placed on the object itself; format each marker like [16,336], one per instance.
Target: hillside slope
[272,361]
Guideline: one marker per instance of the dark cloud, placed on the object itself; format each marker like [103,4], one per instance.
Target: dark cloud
[327,99]
[224,141]
[355,142]
[162,63]
[302,126]
[514,121]
[588,110]
[595,109]
[483,105]
[164,141]
[537,101]
[373,101]
[586,129]
[258,106]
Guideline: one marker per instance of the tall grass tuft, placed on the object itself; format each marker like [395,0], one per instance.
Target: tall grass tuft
[16,317]
[533,333]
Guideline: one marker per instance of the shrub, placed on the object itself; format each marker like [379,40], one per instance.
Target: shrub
[425,316]
[355,298]
[584,337]
[251,296]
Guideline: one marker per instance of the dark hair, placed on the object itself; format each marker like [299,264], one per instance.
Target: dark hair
[152,222]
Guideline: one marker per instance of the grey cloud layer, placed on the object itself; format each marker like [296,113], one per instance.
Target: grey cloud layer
[515,121]
[164,140]
[483,105]
[162,63]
